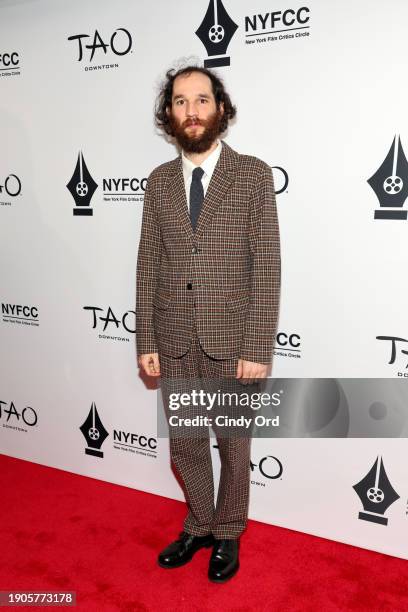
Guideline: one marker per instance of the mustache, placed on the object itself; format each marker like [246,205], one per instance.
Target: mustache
[197,121]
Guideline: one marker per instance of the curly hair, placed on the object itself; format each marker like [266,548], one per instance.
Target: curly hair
[166,92]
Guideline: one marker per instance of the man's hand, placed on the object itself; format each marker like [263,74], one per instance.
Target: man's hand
[150,364]
[247,371]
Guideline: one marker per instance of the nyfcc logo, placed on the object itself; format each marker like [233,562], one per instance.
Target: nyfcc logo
[288,344]
[277,26]
[20,314]
[9,64]
[116,190]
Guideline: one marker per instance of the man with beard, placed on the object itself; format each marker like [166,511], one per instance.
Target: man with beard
[208,284]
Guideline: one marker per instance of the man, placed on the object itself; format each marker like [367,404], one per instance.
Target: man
[208,284]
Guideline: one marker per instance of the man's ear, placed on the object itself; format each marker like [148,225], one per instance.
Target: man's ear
[168,109]
[221,108]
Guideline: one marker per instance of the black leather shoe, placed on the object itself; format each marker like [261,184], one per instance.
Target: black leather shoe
[182,550]
[224,562]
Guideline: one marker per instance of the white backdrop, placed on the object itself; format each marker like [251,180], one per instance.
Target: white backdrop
[321,96]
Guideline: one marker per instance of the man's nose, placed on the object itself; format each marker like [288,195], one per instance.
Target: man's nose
[191,109]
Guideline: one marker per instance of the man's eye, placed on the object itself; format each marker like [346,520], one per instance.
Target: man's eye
[204,100]
[179,102]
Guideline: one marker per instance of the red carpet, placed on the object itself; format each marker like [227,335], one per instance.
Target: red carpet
[60,531]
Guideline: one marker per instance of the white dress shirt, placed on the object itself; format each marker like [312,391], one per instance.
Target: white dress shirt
[208,165]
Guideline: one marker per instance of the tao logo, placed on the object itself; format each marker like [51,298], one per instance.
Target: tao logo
[269,466]
[120,46]
[110,318]
[28,414]
[12,185]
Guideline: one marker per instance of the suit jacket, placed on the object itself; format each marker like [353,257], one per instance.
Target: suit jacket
[227,271]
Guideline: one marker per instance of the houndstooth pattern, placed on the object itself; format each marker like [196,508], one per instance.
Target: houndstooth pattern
[191,456]
[231,261]
[232,265]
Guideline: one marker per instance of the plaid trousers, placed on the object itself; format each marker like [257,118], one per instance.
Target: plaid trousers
[191,455]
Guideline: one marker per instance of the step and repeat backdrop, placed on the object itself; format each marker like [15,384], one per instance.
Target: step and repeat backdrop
[322,98]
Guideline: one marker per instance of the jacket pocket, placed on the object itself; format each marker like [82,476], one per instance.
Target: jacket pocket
[238,301]
[162,299]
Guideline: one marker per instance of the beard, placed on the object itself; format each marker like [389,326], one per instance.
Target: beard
[196,143]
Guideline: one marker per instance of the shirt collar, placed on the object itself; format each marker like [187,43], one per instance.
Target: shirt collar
[208,165]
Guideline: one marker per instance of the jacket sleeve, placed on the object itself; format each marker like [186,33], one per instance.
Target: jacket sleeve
[264,243]
[148,265]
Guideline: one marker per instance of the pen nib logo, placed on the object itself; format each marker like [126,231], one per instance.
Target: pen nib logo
[215,32]
[390,183]
[82,187]
[94,432]
[376,494]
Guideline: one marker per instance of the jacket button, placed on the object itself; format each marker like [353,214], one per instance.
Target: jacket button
[189,286]
[194,249]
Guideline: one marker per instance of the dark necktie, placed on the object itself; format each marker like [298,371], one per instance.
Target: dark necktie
[196,196]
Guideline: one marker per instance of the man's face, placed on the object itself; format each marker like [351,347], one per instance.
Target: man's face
[194,117]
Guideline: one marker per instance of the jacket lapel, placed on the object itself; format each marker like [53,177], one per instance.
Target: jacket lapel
[223,176]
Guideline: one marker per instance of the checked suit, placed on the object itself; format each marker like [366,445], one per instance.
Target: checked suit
[206,298]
